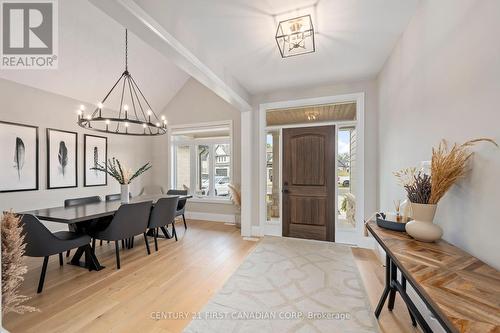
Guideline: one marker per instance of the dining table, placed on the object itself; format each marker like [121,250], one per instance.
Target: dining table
[78,218]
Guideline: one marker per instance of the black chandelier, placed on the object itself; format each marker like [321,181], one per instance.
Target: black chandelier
[141,120]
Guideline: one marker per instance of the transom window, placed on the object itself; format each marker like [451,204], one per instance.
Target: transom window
[201,160]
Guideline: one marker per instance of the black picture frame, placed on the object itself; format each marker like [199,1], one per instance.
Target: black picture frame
[85,136]
[37,156]
[49,185]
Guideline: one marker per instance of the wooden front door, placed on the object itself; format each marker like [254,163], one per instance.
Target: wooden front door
[309,182]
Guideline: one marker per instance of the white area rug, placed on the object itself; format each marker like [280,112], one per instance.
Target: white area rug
[290,285]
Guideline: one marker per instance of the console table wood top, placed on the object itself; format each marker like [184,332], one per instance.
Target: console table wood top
[461,289]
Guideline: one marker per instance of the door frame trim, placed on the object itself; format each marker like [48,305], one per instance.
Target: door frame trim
[359,98]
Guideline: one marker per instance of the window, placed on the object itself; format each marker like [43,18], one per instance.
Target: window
[346,160]
[201,160]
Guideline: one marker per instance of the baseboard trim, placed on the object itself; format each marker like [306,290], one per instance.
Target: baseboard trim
[257,231]
[226,218]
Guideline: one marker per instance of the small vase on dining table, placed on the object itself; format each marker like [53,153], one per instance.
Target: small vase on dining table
[124,197]
[422,227]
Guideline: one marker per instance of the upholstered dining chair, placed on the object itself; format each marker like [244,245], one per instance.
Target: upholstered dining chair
[129,220]
[81,201]
[152,190]
[117,196]
[77,202]
[181,205]
[161,216]
[40,242]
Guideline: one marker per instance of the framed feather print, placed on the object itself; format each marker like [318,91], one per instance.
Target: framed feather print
[95,152]
[61,159]
[19,157]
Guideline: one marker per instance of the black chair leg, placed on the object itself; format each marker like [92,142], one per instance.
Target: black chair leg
[123,243]
[155,233]
[42,274]
[60,259]
[173,230]
[67,253]
[184,219]
[93,243]
[100,242]
[147,243]
[117,250]
[132,243]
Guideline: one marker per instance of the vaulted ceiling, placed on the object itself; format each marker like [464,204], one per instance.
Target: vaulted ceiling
[91,58]
[353,40]
[230,42]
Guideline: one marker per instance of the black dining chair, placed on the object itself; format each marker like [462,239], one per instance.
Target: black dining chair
[81,201]
[117,196]
[161,216]
[77,202]
[129,220]
[40,242]
[181,205]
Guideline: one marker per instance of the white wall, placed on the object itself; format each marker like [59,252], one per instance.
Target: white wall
[23,104]
[443,81]
[369,87]
[194,103]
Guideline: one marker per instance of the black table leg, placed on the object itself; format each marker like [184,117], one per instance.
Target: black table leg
[387,288]
[91,261]
[392,293]
[403,284]
[166,234]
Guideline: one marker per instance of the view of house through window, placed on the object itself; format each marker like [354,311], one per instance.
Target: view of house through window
[346,146]
[272,176]
[183,166]
[202,161]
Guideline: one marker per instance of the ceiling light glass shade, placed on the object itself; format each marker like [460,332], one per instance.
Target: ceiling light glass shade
[134,115]
[295,36]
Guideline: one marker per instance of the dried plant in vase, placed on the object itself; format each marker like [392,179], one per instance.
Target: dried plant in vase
[449,165]
[420,190]
[235,195]
[406,176]
[123,175]
[13,267]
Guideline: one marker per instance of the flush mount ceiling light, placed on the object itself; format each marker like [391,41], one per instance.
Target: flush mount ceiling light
[312,115]
[295,36]
[138,119]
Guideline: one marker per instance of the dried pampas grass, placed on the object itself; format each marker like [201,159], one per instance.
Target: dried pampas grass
[13,268]
[235,195]
[449,165]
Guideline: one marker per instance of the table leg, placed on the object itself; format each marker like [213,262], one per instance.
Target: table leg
[166,234]
[387,288]
[91,261]
[403,284]
[392,293]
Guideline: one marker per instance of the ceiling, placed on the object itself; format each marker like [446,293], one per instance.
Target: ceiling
[320,113]
[353,40]
[91,58]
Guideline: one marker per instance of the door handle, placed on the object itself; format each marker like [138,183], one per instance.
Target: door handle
[285,190]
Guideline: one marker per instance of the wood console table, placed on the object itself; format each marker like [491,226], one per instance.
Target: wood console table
[460,291]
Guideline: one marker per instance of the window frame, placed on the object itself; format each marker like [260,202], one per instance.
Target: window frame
[193,143]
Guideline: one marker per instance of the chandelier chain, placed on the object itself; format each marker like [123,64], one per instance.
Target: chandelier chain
[126,50]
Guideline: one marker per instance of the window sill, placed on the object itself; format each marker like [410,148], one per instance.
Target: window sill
[211,200]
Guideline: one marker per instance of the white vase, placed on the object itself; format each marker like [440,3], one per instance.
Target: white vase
[422,227]
[124,197]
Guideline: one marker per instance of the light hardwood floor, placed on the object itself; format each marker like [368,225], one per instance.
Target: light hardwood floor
[180,277]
